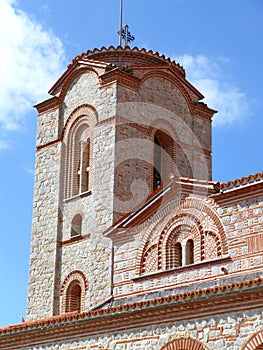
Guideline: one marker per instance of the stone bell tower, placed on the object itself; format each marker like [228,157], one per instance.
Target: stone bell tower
[119,124]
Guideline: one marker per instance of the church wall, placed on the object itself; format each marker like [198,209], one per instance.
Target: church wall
[52,216]
[192,134]
[133,168]
[92,257]
[44,233]
[85,89]
[47,128]
[242,219]
[221,331]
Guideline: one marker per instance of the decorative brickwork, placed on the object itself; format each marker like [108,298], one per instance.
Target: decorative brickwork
[185,224]
[255,342]
[79,150]
[184,344]
[73,292]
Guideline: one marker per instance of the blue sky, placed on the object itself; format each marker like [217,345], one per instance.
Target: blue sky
[218,42]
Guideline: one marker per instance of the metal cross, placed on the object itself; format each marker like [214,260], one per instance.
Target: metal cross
[124,32]
[126,35]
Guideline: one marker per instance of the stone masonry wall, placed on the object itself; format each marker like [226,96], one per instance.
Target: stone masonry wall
[86,89]
[44,233]
[93,256]
[221,332]
[133,168]
[52,217]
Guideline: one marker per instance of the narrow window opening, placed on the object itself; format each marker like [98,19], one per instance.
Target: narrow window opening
[76,226]
[84,167]
[157,164]
[189,252]
[164,157]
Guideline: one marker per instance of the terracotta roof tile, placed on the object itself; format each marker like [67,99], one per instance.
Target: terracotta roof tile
[250,179]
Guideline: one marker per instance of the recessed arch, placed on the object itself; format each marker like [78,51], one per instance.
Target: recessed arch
[174,81]
[164,158]
[255,341]
[78,151]
[73,292]
[184,343]
[83,110]
[186,219]
[69,80]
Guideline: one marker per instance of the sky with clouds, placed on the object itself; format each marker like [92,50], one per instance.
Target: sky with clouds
[218,43]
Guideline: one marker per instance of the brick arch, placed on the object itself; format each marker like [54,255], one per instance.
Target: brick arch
[165,126]
[175,82]
[69,80]
[190,212]
[152,226]
[255,342]
[79,127]
[84,110]
[204,208]
[184,343]
[176,226]
[78,277]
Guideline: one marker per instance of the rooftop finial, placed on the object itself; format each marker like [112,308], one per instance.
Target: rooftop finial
[124,32]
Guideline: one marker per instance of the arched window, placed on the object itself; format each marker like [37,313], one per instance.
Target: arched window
[174,255]
[73,292]
[78,150]
[73,297]
[163,158]
[189,252]
[76,226]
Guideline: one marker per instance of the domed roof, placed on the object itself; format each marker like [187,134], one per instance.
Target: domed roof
[129,57]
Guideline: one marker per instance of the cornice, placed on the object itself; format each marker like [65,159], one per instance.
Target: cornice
[48,105]
[203,111]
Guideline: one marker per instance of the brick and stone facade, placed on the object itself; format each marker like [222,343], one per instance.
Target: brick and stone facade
[133,245]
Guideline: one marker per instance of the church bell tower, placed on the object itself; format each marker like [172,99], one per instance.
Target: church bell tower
[121,122]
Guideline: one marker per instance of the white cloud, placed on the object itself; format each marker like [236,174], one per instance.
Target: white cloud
[220,93]
[31,60]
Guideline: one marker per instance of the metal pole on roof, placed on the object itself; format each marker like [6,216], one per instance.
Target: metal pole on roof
[120,32]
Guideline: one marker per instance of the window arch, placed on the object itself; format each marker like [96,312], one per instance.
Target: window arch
[194,224]
[78,150]
[76,226]
[73,292]
[184,343]
[163,158]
